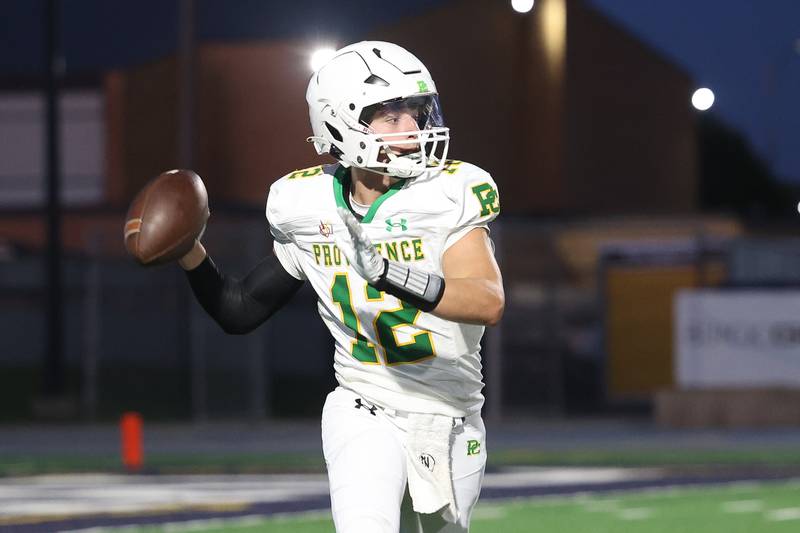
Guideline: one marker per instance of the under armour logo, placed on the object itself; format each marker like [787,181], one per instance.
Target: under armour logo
[428,461]
[370,408]
[392,225]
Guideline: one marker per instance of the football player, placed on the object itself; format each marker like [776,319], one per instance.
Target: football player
[394,239]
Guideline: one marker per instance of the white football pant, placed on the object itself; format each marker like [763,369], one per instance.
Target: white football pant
[365,453]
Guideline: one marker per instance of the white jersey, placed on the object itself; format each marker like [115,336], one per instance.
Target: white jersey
[386,350]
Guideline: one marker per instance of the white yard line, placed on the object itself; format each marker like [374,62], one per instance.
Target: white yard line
[81,495]
[66,497]
[601,506]
[549,477]
[743,506]
[781,515]
[190,525]
[489,512]
[75,495]
[636,513]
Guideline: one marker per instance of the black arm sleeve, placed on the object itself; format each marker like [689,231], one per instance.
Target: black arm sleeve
[240,306]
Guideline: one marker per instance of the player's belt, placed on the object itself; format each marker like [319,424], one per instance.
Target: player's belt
[373,407]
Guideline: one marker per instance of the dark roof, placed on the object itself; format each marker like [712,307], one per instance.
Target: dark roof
[97,35]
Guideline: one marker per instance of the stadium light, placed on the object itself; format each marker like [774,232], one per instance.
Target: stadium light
[703,99]
[320,57]
[522,6]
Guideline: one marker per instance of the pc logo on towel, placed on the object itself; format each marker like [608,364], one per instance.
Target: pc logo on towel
[473,447]
[428,461]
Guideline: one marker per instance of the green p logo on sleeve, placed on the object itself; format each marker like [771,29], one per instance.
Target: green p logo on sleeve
[488,198]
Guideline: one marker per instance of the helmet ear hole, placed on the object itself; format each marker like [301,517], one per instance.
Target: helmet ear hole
[336,152]
[334,132]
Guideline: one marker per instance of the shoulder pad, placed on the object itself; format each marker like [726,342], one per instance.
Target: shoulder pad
[309,172]
[286,193]
[475,193]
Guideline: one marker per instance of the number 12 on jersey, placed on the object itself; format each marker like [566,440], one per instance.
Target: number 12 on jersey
[419,348]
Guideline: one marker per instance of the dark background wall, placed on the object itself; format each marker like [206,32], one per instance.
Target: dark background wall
[632,144]
[542,102]
[578,121]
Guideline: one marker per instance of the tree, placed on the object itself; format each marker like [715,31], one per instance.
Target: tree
[734,178]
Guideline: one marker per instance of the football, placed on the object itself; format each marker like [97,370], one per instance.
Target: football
[165,217]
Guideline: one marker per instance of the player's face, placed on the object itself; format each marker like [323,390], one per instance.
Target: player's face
[396,120]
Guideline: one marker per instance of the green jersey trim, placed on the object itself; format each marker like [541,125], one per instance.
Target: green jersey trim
[338,188]
[342,177]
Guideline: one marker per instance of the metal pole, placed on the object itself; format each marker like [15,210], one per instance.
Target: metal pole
[604,267]
[494,343]
[256,349]
[555,363]
[197,363]
[92,329]
[266,366]
[186,48]
[54,356]
[199,386]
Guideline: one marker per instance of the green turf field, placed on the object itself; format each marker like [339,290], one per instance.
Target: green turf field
[195,463]
[737,508]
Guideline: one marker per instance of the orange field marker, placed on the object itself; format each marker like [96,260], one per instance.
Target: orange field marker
[130,426]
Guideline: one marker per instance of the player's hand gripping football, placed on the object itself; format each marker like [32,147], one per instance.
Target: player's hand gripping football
[360,251]
[167,218]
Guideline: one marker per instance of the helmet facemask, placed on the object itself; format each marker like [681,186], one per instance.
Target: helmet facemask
[406,154]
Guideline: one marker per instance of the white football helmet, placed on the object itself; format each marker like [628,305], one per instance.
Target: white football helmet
[361,79]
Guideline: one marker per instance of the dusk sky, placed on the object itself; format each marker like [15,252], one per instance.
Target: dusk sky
[746,51]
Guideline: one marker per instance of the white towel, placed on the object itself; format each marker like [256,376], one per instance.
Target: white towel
[430,481]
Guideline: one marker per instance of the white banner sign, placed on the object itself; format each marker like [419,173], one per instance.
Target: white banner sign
[740,338]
